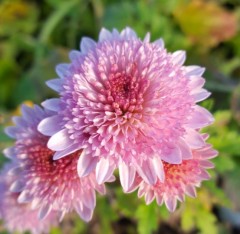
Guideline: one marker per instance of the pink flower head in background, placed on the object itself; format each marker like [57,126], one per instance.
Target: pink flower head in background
[20,217]
[126,103]
[180,179]
[46,183]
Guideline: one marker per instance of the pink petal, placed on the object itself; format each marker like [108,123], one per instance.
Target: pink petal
[196,83]
[60,141]
[102,169]
[201,95]
[207,164]
[27,113]
[185,150]
[84,212]
[104,35]
[147,172]
[55,84]
[128,33]
[17,186]
[191,191]
[66,152]
[179,57]
[52,104]
[194,70]
[25,197]
[194,139]
[50,126]
[12,131]
[87,44]
[159,199]
[63,70]
[200,118]
[44,211]
[149,196]
[86,164]
[158,167]
[172,155]
[10,152]
[89,198]
[127,175]
[147,38]
[171,203]
[159,43]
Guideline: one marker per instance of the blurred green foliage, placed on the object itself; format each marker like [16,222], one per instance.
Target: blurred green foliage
[37,35]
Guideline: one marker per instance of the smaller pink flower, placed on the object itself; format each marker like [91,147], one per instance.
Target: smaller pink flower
[180,179]
[20,217]
[46,183]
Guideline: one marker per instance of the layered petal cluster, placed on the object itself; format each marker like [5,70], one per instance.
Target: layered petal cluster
[20,217]
[45,183]
[126,103]
[180,179]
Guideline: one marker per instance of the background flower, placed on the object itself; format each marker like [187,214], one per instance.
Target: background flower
[180,179]
[47,184]
[20,217]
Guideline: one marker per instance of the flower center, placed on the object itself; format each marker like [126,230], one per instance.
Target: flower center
[123,91]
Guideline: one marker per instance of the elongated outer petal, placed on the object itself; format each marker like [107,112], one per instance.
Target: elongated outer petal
[87,44]
[104,35]
[86,164]
[194,70]
[67,151]
[24,197]
[62,70]
[200,118]
[194,139]
[52,104]
[54,84]
[179,57]
[10,152]
[44,211]
[147,172]
[158,167]
[171,203]
[185,149]
[51,125]
[172,155]
[102,169]
[149,197]
[200,95]
[89,199]
[12,131]
[60,141]
[16,186]
[127,175]
[84,212]
[159,43]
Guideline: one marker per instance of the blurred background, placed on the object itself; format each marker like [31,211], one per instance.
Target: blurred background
[36,35]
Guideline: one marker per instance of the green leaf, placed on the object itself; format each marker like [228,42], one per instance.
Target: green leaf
[106,215]
[206,222]
[147,218]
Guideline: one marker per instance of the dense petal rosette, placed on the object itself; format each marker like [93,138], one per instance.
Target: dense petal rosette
[180,179]
[46,183]
[126,103]
[20,217]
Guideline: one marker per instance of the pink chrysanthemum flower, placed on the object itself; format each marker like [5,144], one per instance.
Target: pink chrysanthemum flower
[48,184]
[180,179]
[20,217]
[126,103]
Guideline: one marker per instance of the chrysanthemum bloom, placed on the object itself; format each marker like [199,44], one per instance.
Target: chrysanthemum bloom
[20,217]
[180,179]
[48,184]
[126,103]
